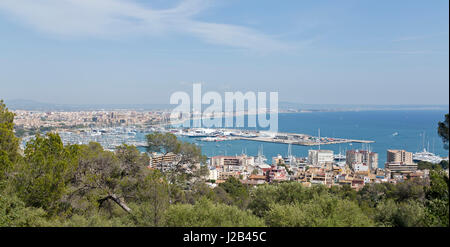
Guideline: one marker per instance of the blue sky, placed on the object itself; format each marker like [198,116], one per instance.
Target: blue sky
[139,51]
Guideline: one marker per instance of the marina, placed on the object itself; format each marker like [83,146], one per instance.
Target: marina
[263,136]
[358,130]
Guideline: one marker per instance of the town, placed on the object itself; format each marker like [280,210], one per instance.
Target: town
[355,169]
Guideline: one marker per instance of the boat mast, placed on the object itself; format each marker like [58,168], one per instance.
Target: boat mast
[423,140]
[319,138]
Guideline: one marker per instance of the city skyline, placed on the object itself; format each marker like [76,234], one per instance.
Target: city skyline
[140,52]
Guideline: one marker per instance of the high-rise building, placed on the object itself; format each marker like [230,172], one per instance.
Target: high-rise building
[399,156]
[320,157]
[232,163]
[362,157]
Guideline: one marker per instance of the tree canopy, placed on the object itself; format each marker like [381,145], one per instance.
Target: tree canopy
[9,143]
[443,131]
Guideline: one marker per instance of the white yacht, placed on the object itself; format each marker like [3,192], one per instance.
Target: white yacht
[339,157]
[426,156]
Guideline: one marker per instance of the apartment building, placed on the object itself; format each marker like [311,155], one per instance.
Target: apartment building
[320,157]
[399,156]
[163,162]
[232,163]
[370,159]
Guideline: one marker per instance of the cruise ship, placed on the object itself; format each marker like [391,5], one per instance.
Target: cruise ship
[426,156]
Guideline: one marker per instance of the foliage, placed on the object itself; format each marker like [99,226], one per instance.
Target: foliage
[189,156]
[403,214]
[14,213]
[168,143]
[438,199]
[285,193]
[443,131]
[207,214]
[237,191]
[9,143]
[105,176]
[320,211]
[422,165]
[43,178]
[152,200]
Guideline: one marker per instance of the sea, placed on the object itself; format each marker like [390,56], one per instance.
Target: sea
[411,130]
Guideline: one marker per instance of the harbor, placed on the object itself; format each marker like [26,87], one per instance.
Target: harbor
[334,135]
[110,138]
[263,136]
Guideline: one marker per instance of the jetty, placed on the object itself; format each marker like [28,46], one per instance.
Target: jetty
[302,143]
[265,136]
[301,139]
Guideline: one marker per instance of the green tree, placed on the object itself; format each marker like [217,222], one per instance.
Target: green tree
[262,197]
[43,178]
[200,190]
[237,191]
[444,164]
[104,177]
[410,190]
[321,211]
[385,213]
[131,159]
[188,153]
[152,199]
[185,170]
[443,131]
[9,143]
[285,193]
[88,220]
[438,199]
[14,213]
[403,214]
[374,194]
[207,214]
[163,143]
[422,165]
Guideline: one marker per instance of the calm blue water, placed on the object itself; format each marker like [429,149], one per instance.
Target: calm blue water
[366,125]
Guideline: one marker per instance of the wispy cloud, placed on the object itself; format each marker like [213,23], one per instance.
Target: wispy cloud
[419,37]
[408,38]
[117,18]
[414,52]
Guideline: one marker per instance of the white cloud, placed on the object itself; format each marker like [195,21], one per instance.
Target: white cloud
[116,18]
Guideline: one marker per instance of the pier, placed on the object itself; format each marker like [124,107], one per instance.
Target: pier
[301,143]
[265,136]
